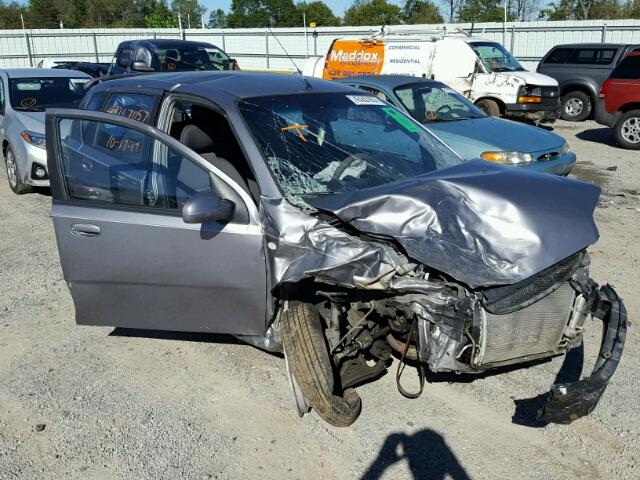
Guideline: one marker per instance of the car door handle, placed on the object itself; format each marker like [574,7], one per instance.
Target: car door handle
[85,230]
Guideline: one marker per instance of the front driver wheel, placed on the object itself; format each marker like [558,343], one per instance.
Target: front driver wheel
[628,130]
[489,107]
[310,365]
[13,175]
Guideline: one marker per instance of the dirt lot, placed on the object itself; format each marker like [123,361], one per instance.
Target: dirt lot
[94,403]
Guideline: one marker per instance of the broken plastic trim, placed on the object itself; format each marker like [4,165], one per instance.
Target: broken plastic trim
[569,401]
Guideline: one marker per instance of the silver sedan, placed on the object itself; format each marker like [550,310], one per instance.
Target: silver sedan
[25,93]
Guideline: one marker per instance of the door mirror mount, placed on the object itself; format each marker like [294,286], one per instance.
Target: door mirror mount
[207,207]
[139,66]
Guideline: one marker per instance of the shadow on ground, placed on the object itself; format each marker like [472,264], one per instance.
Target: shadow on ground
[602,135]
[526,412]
[427,454]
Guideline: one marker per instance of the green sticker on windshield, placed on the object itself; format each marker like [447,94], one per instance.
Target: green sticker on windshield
[408,125]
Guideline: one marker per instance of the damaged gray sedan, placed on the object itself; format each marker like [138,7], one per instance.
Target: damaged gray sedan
[305,217]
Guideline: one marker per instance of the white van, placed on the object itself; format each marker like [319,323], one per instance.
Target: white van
[482,70]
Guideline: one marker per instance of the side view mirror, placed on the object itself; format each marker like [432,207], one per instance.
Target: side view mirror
[207,207]
[140,66]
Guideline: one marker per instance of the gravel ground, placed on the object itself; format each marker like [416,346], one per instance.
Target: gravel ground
[89,402]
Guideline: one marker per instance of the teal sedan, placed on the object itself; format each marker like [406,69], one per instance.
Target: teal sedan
[466,129]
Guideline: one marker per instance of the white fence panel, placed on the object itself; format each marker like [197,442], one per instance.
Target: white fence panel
[276,49]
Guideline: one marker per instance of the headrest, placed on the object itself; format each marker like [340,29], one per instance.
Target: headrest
[196,139]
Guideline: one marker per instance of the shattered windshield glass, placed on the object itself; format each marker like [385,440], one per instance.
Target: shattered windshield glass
[322,143]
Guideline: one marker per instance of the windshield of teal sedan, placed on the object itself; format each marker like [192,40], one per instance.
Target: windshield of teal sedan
[37,94]
[332,142]
[495,57]
[431,103]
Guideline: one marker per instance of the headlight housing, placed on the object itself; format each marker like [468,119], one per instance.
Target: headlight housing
[565,148]
[33,138]
[511,158]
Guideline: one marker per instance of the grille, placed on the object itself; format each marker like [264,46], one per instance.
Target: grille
[506,299]
[548,156]
[530,331]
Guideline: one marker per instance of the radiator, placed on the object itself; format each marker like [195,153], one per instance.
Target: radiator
[534,330]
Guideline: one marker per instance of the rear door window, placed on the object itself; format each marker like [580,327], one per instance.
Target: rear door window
[628,68]
[135,106]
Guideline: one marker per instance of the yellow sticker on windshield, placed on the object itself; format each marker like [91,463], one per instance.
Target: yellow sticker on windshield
[408,125]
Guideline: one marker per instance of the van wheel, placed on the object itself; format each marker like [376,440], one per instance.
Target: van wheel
[627,130]
[576,106]
[309,362]
[489,107]
[13,175]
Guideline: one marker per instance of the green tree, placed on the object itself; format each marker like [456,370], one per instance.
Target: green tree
[157,14]
[582,10]
[421,11]
[373,12]
[263,13]
[631,9]
[10,14]
[217,19]
[190,12]
[318,12]
[43,13]
[481,11]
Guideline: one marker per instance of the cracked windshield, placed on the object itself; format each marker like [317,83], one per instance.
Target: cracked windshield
[325,143]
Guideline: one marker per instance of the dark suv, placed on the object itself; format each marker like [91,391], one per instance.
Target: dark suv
[581,69]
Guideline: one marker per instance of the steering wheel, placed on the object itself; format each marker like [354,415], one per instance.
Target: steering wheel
[443,109]
[345,163]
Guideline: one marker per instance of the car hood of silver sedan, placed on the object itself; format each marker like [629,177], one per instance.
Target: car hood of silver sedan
[480,223]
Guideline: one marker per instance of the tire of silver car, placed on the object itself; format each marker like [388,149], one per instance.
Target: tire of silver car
[13,174]
[627,130]
[309,363]
[576,106]
[488,106]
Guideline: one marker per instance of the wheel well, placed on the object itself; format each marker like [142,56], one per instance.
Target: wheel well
[499,102]
[5,144]
[578,88]
[630,106]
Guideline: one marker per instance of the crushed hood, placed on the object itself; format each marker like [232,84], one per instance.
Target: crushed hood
[482,224]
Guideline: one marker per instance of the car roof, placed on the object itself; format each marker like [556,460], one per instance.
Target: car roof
[170,42]
[237,83]
[389,81]
[43,73]
[590,45]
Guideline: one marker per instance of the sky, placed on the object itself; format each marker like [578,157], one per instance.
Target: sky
[338,6]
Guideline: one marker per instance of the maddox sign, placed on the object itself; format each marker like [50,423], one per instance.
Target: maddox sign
[354,57]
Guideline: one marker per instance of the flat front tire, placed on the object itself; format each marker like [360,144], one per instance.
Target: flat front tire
[310,365]
[13,174]
[627,130]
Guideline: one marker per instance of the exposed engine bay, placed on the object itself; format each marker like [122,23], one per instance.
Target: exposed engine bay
[358,279]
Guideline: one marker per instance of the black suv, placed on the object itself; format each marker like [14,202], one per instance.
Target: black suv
[581,69]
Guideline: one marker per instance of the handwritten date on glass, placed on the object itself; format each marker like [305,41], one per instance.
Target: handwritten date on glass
[122,145]
[133,113]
